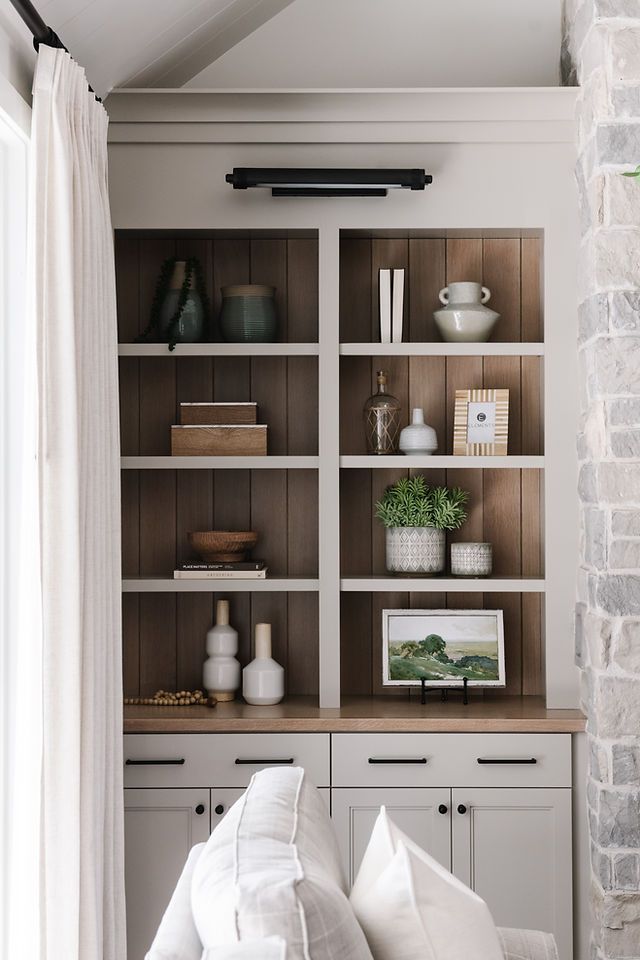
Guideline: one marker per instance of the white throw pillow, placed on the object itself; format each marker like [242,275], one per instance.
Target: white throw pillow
[411,908]
[272,869]
[274,948]
[177,937]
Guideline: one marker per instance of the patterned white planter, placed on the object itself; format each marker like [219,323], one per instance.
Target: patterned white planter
[471,559]
[418,550]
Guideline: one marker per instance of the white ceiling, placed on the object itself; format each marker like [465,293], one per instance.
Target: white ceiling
[151,42]
[310,43]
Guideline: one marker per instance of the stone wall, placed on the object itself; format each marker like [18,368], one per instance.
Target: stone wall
[601,52]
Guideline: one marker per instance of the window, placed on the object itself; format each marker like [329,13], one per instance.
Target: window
[20,696]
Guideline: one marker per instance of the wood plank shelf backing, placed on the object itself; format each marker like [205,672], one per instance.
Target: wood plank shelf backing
[291,493]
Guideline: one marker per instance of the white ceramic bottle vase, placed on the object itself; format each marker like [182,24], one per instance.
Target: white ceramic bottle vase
[418,437]
[221,674]
[263,678]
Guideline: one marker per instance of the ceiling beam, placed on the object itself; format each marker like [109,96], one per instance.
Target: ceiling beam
[202,47]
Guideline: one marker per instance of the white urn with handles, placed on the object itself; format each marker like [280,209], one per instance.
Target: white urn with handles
[464,317]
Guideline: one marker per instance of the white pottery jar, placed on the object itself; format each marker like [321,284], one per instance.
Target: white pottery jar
[263,678]
[464,318]
[415,550]
[418,437]
[221,673]
[471,559]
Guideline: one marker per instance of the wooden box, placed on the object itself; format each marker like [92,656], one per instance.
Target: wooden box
[230,440]
[218,413]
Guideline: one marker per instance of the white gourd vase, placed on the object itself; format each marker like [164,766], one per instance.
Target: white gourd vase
[221,673]
[418,437]
[263,678]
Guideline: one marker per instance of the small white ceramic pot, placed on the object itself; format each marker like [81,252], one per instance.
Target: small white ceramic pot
[415,550]
[418,437]
[464,317]
[471,559]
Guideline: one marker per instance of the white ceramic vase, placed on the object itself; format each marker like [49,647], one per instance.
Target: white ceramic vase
[263,678]
[464,317]
[415,550]
[221,673]
[418,437]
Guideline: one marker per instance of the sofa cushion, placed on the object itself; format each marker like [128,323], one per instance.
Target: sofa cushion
[272,868]
[177,937]
[527,944]
[410,906]
[273,948]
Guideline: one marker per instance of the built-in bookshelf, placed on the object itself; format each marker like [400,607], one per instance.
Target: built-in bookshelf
[312,498]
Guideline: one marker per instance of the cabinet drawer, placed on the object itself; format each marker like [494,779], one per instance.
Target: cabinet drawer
[220,759]
[451,759]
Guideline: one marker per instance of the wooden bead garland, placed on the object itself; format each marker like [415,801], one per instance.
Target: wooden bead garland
[165,698]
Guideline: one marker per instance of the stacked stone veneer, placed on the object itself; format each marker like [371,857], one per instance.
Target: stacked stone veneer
[602,53]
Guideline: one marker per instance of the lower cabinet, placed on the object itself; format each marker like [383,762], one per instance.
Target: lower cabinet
[512,846]
[423,814]
[161,826]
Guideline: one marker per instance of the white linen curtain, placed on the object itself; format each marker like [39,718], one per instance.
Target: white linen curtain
[82,879]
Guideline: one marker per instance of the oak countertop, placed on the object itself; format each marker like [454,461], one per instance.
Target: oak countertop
[359,715]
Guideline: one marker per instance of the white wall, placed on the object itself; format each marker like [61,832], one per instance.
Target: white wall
[17,56]
[397,43]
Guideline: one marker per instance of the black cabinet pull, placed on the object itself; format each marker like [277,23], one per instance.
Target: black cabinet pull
[219,809]
[200,809]
[443,808]
[266,762]
[462,808]
[155,763]
[489,760]
[421,760]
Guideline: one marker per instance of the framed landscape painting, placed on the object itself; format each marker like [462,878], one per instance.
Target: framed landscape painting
[443,647]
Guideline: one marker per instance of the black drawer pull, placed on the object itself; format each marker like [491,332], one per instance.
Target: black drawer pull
[266,762]
[443,808]
[155,763]
[488,760]
[421,760]
[462,809]
[200,809]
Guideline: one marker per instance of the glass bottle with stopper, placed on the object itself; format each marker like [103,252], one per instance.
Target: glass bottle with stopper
[382,419]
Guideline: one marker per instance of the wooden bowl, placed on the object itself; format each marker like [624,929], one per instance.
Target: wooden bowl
[222,546]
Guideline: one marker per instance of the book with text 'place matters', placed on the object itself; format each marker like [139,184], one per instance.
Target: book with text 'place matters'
[220,574]
[237,565]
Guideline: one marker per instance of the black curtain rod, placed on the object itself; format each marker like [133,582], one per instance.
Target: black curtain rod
[41,32]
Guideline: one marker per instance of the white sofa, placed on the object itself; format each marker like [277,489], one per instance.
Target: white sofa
[269,885]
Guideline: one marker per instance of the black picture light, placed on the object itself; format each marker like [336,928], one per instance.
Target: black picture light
[327,181]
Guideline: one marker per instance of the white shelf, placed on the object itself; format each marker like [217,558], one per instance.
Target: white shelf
[169,585]
[444,462]
[442,349]
[219,350]
[219,463]
[442,585]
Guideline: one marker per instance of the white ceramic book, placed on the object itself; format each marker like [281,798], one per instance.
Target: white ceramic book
[385,305]
[397,306]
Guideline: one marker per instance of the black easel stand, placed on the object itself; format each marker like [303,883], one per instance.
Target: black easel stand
[445,691]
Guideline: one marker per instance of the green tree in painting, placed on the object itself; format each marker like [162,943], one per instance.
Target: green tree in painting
[409,649]
[433,644]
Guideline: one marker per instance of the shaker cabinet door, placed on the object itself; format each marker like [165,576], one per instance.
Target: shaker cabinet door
[513,847]
[416,811]
[161,826]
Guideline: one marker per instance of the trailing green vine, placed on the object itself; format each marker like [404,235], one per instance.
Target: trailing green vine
[192,271]
[633,173]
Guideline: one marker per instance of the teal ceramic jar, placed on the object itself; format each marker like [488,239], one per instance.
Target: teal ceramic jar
[189,328]
[248,313]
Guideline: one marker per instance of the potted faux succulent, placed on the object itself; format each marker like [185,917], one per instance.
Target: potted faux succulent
[416,517]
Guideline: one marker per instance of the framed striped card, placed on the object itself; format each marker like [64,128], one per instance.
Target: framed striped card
[481,423]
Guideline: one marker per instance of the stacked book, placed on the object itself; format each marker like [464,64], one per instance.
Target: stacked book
[242,570]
